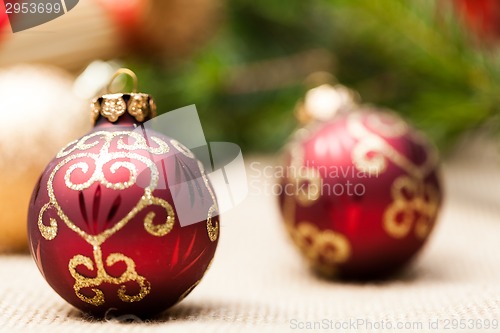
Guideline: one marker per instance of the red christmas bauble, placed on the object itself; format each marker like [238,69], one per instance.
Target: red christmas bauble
[482,17]
[103,227]
[360,194]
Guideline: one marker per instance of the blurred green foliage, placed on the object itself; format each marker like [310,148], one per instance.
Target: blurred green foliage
[412,56]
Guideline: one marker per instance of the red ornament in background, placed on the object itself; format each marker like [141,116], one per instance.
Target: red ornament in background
[482,17]
[361,192]
[102,224]
[4,21]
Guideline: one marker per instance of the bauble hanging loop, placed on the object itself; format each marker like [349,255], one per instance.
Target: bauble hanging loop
[122,71]
[113,105]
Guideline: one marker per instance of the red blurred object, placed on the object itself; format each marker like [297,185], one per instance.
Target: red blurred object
[361,194]
[482,16]
[127,14]
[169,29]
[128,17]
[4,21]
[103,227]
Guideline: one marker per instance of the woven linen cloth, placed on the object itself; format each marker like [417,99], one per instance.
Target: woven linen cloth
[259,283]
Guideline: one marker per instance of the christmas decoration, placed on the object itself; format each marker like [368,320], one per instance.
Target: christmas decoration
[108,29]
[32,97]
[361,192]
[103,228]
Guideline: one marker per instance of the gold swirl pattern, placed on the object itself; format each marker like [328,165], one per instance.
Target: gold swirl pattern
[100,160]
[371,152]
[304,175]
[414,200]
[325,249]
[130,275]
[312,179]
[48,232]
[213,231]
[410,201]
[392,127]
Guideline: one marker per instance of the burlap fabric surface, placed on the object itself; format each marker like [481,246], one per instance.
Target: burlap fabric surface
[258,282]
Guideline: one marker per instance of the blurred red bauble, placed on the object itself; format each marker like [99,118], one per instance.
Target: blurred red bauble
[482,17]
[103,227]
[360,194]
[171,28]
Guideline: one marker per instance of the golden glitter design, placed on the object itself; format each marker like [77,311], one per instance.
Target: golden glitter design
[414,200]
[324,249]
[388,124]
[312,179]
[76,150]
[130,275]
[48,232]
[160,229]
[304,175]
[212,230]
[410,201]
[372,152]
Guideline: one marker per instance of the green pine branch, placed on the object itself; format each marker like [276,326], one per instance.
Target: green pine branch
[407,55]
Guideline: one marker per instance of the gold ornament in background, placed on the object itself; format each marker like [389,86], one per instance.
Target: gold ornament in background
[33,97]
[107,29]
